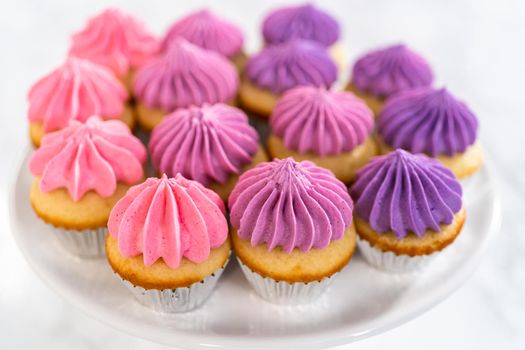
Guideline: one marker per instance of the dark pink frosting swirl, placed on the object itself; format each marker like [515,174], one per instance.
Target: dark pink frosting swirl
[284,66]
[206,144]
[387,71]
[205,29]
[290,204]
[186,75]
[320,120]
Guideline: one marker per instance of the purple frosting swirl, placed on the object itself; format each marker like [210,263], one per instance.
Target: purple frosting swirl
[427,120]
[389,70]
[206,144]
[186,75]
[205,29]
[300,22]
[403,192]
[290,204]
[319,120]
[284,66]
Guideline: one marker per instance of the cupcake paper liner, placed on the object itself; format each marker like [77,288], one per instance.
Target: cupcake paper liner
[391,262]
[177,300]
[83,243]
[280,292]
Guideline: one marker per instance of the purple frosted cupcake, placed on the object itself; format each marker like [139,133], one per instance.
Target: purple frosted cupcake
[384,72]
[432,121]
[304,22]
[408,208]
[281,67]
[212,144]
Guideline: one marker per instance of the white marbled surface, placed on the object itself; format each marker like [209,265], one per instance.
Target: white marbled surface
[478,51]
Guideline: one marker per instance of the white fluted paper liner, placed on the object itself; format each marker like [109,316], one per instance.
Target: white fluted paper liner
[83,243]
[280,292]
[177,300]
[391,262]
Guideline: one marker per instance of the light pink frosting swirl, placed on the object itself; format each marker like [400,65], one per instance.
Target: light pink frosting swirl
[169,218]
[116,40]
[91,156]
[321,121]
[75,91]
[186,75]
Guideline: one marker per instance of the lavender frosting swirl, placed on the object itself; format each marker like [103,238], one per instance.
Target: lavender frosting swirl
[402,192]
[186,75]
[290,204]
[321,121]
[300,22]
[281,67]
[427,120]
[206,144]
[389,70]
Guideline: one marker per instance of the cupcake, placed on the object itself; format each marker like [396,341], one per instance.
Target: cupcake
[211,144]
[304,22]
[330,128]
[408,208]
[432,121]
[384,72]
[209,31]
[76,90]
[80,172]
[185,75]
[292,229]
[168,242]
[117,41]
[279,68]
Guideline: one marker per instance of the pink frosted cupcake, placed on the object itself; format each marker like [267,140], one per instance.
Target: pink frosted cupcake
[80,172]
[331,128]
[185,75]
[76,90]
[169,242]
[209,31]
[212,144]
[116,40]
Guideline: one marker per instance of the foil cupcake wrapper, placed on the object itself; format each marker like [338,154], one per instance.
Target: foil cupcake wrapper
[388,261]
[280,292]
[83,243]
[176,300]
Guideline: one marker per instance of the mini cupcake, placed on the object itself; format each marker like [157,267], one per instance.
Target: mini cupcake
[279,68]
[169,242]
[304,22]
[211,144]
[76,90]
[209,31]
[330,128]
[117,41]
[81,172]
[432,121]
[184,76]
[293,229]
[408,208]
[387,71]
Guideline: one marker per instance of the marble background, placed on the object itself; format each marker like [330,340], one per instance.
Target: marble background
[478,51]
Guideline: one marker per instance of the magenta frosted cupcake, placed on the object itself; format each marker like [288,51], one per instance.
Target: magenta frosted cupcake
[117,41]
[281,67]
[292,229]
[75,90]
[384,72]
[185,75]
[209,31]
[434,122]
[408,208]
[331,128]
[306,22]
[212,144]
